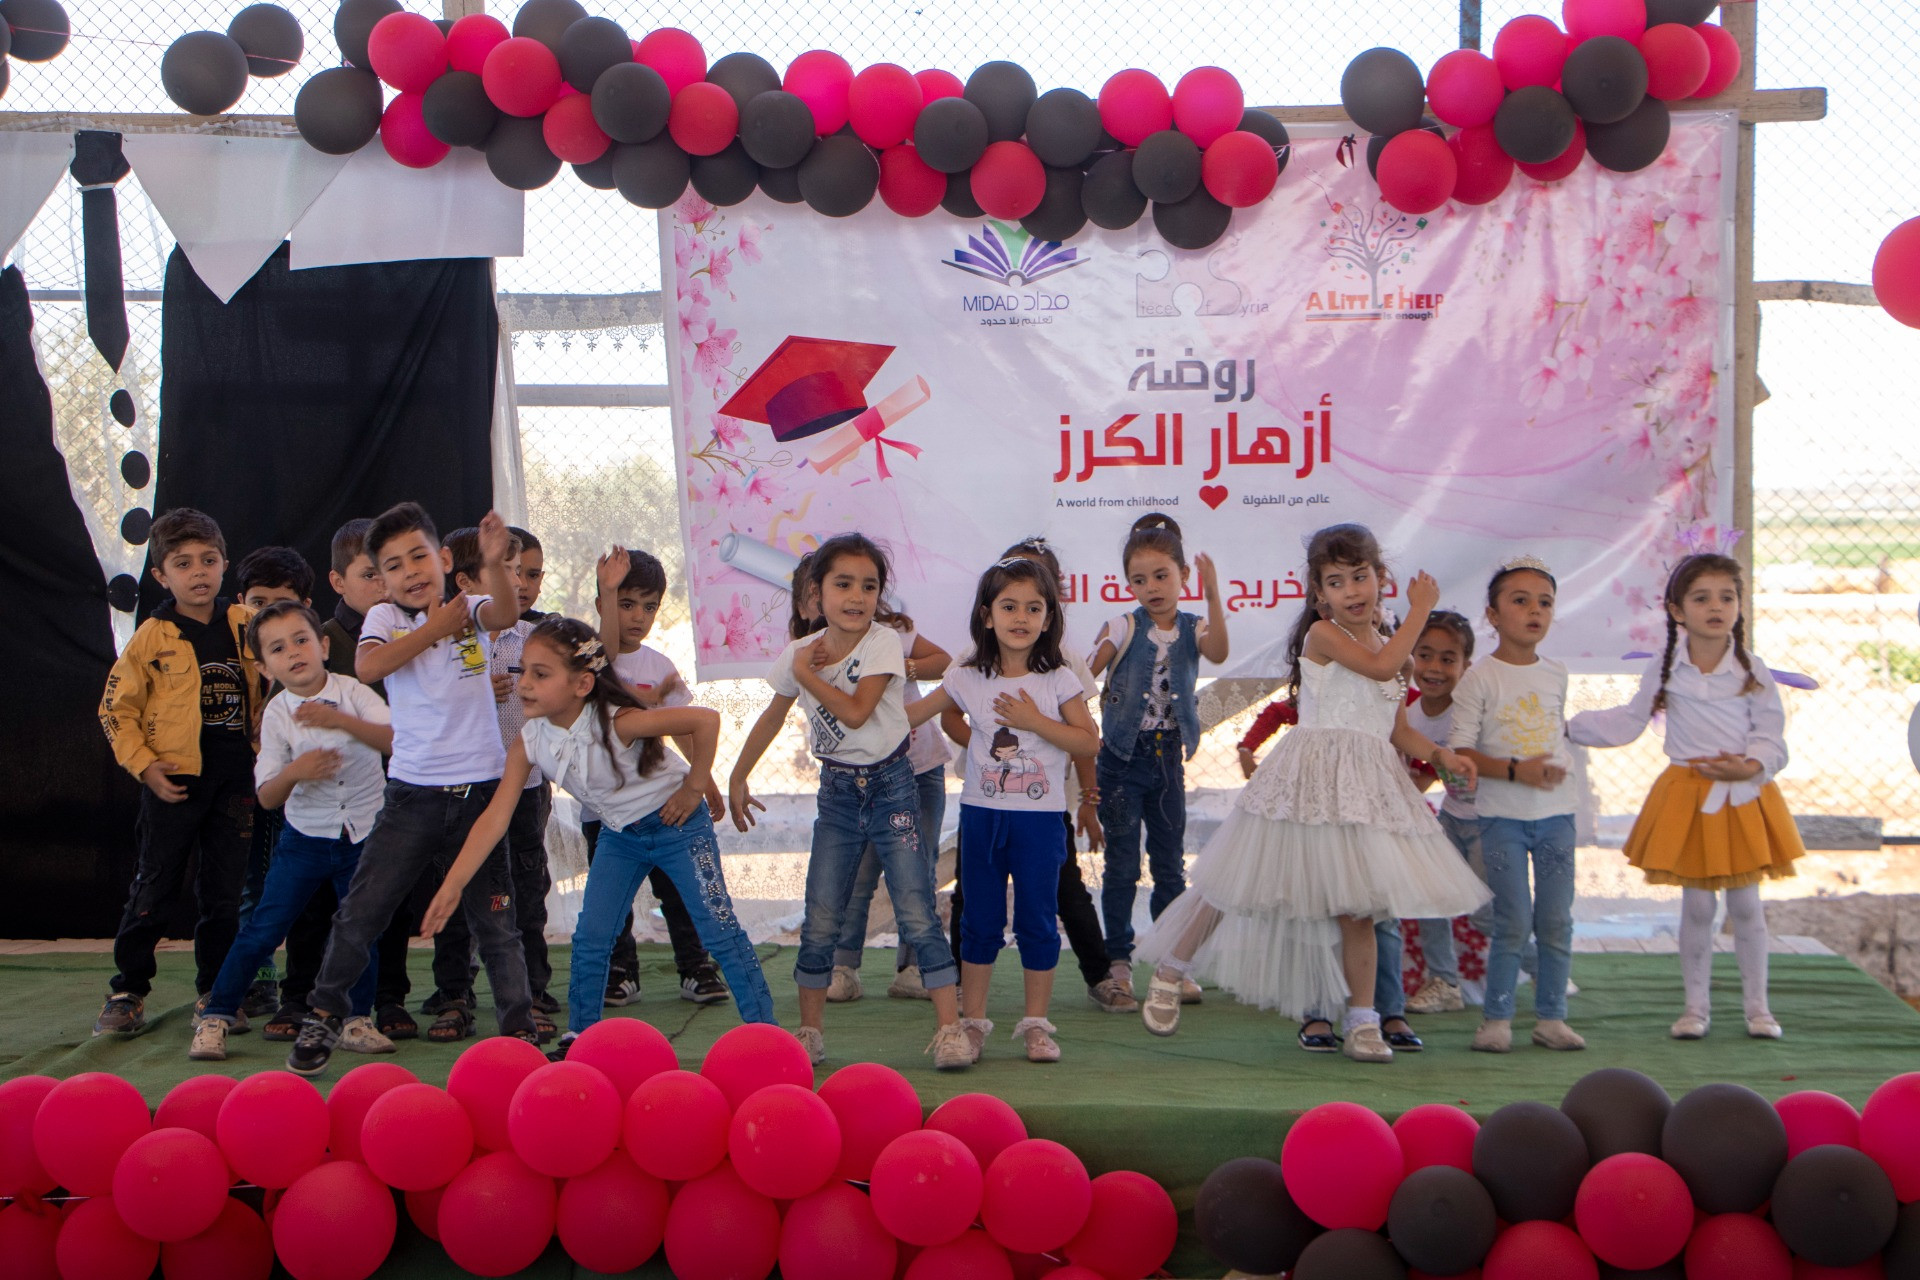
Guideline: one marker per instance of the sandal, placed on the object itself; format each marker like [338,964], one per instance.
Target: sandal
[543,1028]
[396,1023]
[455,1023]
[1403,1039]
[284,1025]
[1327,1041]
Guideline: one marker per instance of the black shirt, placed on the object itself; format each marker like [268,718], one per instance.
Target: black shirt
[226,734]
[342,631]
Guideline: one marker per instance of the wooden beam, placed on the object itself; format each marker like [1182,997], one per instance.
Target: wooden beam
[1851,295]
[1741,22]
[458,9]
[1756,106]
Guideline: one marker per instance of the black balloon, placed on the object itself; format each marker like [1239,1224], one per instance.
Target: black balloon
[1604,79]
[1902,1256]
[6,74]
[1534,125]
[653,174]
[1687,12]
[959,199]
[547,21]
[1193,223]
[204,72]
[1531,1158]
[518,154]
[1383,91]
[1166,167]
[1376,144]
[1265,125]
[354,22]
[1004,92]
[136,525]
[597,174]
[589,47]
[726,178]
[839,176]
[1247,1220]
[338,110]
[40,28]
[1063,127]
[123,593]
[135,469]
[1109,196]
[950,134]
[456,110]
[1349,1254]
[1441,1220]
[744,75]
[271,38]
[631,102]
[1617,1110]
[1729,1145]
[782,184]
[1834,1206]
[777,129]
[1060,214]
[120,405]
[1633,143]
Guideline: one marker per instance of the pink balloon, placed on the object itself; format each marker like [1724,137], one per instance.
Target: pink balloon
[571,132]
[564,1119]
[83,1125]
[471,39]
[195,1104]
[336,1223]
[1009,180]
[1530,50]
[1634,1211]
[833,1234]
[497,1217]
[1889,1132]
[873,1104]
[1723,59]
[784,1142]
[29,1240]
[1436,1133]
[1585,19]
[821,79]
[675,1125]
[403,132]
[1340,1161]
[972,1256]
[407,51]
[96,1244]
[1130,1227]
[703,120]
[720,1229]
[926,1187]
[613,1218]
[1677,61]
[1816,1119]
[1134,105]
[170,1184]
[483,1080]
[21,1173]
[627,1050]
[1530,1250]
[1417,172]
[882,104]
[349,1100]
[424,1208]
[752,1056]
[679,59]
[1036,1196]
[911,188]
[1896,273]
[416,1138]
[273,1128]
[988,1125]
[522,78]
[1464,88]
[1485,171]
[939,84]
[1240,169]
[237,1246]
[1207,105]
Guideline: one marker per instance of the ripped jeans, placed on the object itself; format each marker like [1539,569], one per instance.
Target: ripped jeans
[1150,790]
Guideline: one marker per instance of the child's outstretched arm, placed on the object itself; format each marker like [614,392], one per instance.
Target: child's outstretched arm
[1618,726]
[921,710]
[1213,642]
[696,731]
[488,830]
[502,608]
[1410,741]
[1328,642]
[759,738]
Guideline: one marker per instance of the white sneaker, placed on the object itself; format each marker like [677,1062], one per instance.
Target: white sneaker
[907,985]
[1364,1043]
[976,1031]
[209,1041]
[1038,1035]
[359,1035]
[952,1048]
[1161,1009]
[1763,1026]
[1436,995]
[845,986]
[814,1041]
[1690,1026]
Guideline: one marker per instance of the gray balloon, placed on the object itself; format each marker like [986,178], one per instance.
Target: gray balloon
[950,134]
[631,102]
[726,178]
[338,111]
[652,175]
[40,28]
[1382,90]
[744,75]
[1060,215]
[271,38]
[1689,13]
[597,174]
[589,47]
[547,20]
[839,176]
[776,128]
[457,111]
[518,154]
[1063,127]
[959,199]
[204,72]
[354,22]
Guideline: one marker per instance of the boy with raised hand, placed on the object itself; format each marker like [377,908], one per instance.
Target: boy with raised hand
[178,712]
[430,647]
[533,571]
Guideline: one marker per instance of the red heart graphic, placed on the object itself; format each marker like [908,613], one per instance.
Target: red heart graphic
[1213,495]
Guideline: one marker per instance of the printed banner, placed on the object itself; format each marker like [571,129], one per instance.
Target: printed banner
[1548,374]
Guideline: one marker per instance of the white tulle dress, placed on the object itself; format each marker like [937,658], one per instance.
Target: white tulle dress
[1329,825]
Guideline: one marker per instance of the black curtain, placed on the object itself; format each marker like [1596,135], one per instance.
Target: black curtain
[317,396]
[66,809]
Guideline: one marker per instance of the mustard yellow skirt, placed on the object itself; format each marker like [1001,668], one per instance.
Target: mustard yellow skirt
[1675,843]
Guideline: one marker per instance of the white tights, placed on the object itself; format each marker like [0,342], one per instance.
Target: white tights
[1749,945]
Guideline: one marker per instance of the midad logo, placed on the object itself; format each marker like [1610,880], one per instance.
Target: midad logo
[1006,253]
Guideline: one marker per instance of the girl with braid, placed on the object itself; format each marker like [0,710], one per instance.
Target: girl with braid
[1714,820]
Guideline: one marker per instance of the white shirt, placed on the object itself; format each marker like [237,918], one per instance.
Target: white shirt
[1008,768]
[878,653]
[645,669]
[927,746]
[1514,712]
[445,732]
[350,799]
[576,757]
[1439,729]
[1707,713]
[508,646]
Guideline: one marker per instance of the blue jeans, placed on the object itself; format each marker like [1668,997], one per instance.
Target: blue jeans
[932,787]
[877,805]
[1029,848]
[1389,992]
[1546,910]
[301,864]
[266,837]
[1149,789]
[690,857]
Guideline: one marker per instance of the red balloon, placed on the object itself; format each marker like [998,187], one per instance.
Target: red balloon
[752,1056]
[1723,59]
[680,60]
[21,1173]
[1133,105]
[1340,1161]
[1890,1122]
[985,1123]
[416,1138]
[1565,163]
[403,132]
[882,104]
[1677,61]
[170,1184]
[1417,172]
[720,1229]
[29,1238]
[471,39]
[1207,105]
[483,1079]
[1534,1250]
[572,134]
[424,1208]
[96,1244]
[565,1119]
[873,1104]
[407,51]
[1239,169]
[1130,1226]
[1634,1211]
[1036,1196]
[83,1125]
[349,1100]
[1483,173]
[627,1050]
[273,1128]
[784,1142]
[1436,1133]
[497,1216]
[970,1257]
[675,1126]
[704,119]
[1896,285]
[822,79]
[237,1246]
[1008,180]
[911,188]
[926,1187]
[1816,1119]
[834,1235]
[195,1104]
[612,1218]
[1529,50]
[1736,1246]
[939,84]
[1585,19]
[1073,1271]
[1464,88]
[522,78]
[336,1223]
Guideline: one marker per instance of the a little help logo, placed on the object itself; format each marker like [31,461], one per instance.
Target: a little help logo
[1007,255]
[1370,248]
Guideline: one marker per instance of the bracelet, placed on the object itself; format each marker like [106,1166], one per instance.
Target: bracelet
[1513,763]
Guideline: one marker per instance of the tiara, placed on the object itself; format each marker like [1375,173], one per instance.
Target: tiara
[1709,539]
[1010,561]
[1534,563]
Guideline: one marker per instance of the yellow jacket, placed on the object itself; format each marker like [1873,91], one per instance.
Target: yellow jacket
[151,708]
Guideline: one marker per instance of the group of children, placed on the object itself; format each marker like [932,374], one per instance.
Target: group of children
[436,660]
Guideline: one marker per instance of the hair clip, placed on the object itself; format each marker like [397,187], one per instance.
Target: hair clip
[1035,543]
[1534,563]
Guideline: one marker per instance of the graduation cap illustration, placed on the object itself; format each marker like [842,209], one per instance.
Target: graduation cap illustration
[809,387]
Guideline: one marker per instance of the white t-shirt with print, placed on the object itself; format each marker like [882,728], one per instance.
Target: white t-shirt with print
[445,729]
[1009,768]
[577,758]
[1514,712]
[1439,729]
[877,654]
[350,799]
[927,747]
[645,669]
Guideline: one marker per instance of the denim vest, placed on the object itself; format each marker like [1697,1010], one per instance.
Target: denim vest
[1124,703]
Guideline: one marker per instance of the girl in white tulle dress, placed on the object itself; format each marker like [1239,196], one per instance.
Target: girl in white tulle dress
[1329,834]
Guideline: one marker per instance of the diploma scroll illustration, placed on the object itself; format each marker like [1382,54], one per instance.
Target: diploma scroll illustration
[758,560]
[872,424]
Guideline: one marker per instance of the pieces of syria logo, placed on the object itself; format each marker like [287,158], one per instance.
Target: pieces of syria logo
[1370,247]
[1013,258]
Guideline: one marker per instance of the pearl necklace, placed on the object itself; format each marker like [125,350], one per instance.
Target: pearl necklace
[1397,695]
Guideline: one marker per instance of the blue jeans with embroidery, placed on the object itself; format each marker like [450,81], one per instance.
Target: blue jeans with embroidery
[1545,909]
[690,856]
[931,786]
[1149,790]
[1436,936]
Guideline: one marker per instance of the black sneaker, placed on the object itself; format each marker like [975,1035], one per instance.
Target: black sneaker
[545,1003]
[621,992]
[703,985]
[559,1051]
[314,1049]
[262,999]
